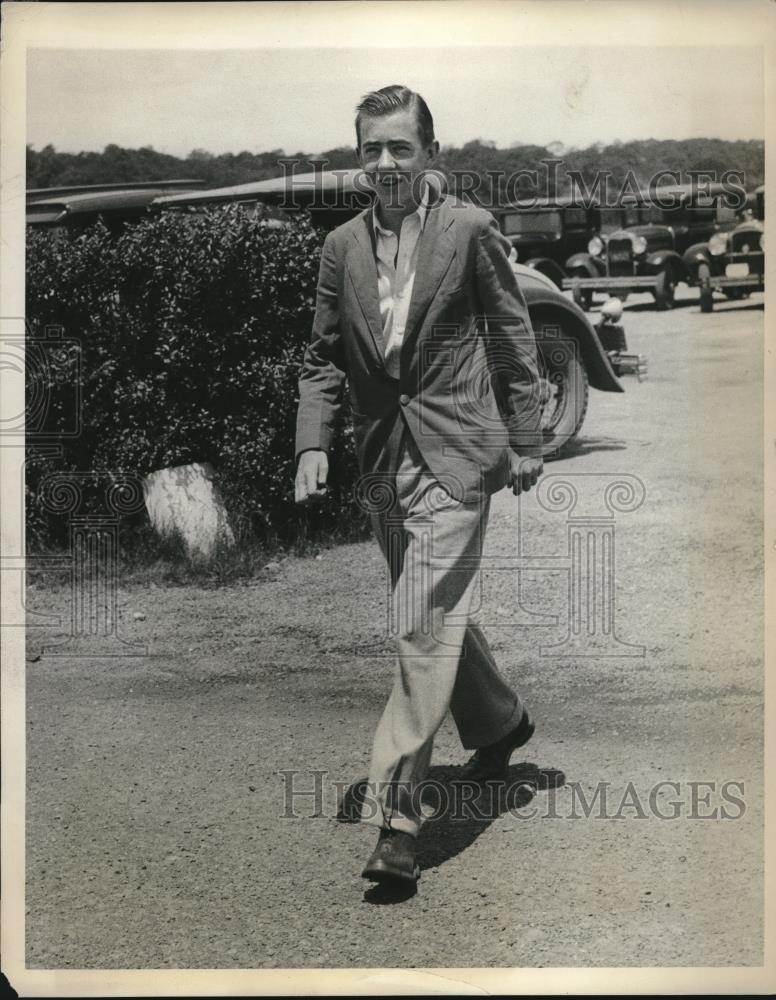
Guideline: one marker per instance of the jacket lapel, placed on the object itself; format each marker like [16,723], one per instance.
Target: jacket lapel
[436,248]
[362,268]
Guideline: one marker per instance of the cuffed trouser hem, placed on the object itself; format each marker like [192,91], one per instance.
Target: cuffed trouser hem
[493,735]
[379,807]
[401,823]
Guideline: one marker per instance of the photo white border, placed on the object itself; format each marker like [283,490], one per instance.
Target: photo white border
[664,23]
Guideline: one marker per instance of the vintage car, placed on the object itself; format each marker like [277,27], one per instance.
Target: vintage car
[545,233]
[329,197]
[646,254]
[574,353]
[72,209]
[732,262]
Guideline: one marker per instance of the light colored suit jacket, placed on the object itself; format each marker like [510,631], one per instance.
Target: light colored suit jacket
[468,389]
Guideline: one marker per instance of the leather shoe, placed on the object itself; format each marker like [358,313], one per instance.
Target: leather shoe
[393,860]
[492,762]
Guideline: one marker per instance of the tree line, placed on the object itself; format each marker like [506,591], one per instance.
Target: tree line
[642,159]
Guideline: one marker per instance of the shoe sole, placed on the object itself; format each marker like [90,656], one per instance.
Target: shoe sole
[391,875]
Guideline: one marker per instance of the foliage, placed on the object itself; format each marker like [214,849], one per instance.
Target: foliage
[189,333]
[49,168]
[645,157]
[186,333]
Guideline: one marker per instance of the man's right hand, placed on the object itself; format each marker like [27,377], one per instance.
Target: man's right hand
[311,475]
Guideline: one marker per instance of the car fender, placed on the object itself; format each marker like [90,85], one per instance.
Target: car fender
[549,267]
[582,262]
[696,255]
[544,306]
[661,259]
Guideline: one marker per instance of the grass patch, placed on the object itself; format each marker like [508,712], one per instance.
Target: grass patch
[145,556]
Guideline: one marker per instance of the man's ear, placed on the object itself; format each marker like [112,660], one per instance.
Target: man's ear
[433,151]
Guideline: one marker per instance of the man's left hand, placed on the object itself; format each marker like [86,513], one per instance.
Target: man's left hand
[524,472]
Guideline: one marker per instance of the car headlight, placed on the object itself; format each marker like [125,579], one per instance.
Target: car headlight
[595,246]
[639,244]
[718,244]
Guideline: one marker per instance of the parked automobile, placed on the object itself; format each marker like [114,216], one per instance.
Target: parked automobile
[74,208]
[574,353]
[646,254]
[330,197]
[546,233]
[732,262]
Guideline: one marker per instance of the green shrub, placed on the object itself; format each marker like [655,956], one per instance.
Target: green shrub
[188,334]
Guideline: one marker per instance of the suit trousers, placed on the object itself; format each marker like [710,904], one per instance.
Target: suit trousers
[432,544]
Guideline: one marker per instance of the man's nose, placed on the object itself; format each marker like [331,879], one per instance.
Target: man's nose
[386,161]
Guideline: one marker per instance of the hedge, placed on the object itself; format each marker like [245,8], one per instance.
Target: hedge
[185,336]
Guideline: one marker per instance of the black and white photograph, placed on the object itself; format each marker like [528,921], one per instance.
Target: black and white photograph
[385,472]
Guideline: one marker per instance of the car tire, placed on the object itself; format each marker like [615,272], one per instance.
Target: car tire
[707,296]
[664,290]
[565,412]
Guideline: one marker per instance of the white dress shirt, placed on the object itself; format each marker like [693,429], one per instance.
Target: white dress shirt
[397,258]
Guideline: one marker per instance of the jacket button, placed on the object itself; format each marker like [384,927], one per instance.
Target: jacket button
[404,399]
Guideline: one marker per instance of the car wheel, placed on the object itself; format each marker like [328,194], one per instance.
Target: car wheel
[707,296]
[664,290]
[583,297]
[566,385]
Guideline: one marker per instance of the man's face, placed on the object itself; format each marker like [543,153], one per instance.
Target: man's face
[393,156]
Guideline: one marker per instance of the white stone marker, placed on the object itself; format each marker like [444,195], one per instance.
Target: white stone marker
[185,501]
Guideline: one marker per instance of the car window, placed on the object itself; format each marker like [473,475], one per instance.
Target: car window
[531,222]
[655,214]
[677,216]
[725,213]
[575,218]
[635,215]
[699,214]
[613,218]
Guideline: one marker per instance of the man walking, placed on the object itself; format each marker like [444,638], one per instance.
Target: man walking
[419,309]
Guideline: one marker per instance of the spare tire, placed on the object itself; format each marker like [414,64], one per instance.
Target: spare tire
[564,412]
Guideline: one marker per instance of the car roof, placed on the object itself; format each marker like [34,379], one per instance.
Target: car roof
[528,204]
[630,198]
[350,181]
[687,190]
[99,199]
[40,194]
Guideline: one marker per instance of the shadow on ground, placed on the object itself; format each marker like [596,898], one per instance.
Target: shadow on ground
[731,305]
[457,814]
[638,307]
[591,445]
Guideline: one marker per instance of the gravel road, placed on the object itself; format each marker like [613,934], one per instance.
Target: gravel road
[155,808]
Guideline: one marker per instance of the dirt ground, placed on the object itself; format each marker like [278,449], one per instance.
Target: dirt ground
[155,808]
